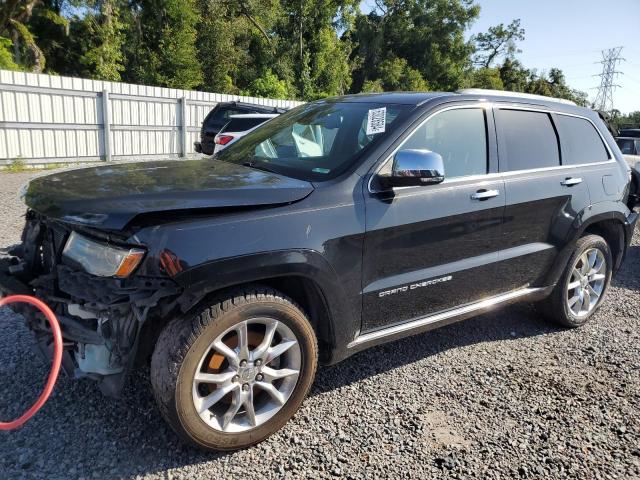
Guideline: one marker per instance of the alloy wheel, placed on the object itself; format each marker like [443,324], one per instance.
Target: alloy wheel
[587,282]
[246,375]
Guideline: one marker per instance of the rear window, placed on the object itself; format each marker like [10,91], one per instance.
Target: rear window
[627,146]
[528,140]
[243,124]
[580,141]
[220,115]
[630,132]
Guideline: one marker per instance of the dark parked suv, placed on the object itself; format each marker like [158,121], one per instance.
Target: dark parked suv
[219,116]
[341,224]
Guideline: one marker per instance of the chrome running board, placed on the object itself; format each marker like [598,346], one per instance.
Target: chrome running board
[405,329]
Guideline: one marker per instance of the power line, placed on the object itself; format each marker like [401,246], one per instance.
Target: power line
[610,60]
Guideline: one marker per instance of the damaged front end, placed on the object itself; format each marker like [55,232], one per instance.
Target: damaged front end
[101,317]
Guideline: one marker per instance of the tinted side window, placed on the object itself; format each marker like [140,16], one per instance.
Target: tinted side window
[220,115]
[528,140]
[459,136]
[626,146]
[242,124]
[580,141]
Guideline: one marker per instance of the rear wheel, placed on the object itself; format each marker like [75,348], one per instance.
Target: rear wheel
[237,371]
[583,284]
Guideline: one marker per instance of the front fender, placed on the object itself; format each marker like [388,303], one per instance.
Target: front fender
[216,275]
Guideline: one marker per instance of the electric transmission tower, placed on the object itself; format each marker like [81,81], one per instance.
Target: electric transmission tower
[610,60]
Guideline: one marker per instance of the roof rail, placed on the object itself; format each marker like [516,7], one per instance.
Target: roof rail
[504,93]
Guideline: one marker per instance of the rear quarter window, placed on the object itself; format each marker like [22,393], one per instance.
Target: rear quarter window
[243,124]
[580,141]
[220,115]
[527,140]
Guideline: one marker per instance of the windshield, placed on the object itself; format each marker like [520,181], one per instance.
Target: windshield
[315,141]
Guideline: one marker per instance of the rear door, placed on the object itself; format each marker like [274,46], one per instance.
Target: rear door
[544,194]
[431,248]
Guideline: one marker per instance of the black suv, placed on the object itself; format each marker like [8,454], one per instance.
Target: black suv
[219,116]
[341,224]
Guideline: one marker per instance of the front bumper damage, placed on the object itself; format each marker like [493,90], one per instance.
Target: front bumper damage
[101,318]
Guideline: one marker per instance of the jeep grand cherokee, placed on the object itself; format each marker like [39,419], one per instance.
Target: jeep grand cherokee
[341,224]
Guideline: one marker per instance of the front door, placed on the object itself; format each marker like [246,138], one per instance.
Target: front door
[432,248]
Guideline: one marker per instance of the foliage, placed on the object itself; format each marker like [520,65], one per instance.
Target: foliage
[161,46]
[498,41]
[6,58]
[269,86]
[17,165]
[105,60]
[396,74]
[486,77]
[304,49]
[632,120]
[427,34]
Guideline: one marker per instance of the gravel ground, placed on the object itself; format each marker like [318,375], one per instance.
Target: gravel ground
[504,395]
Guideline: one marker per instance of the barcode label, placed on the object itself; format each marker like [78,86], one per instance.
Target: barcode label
[377,121]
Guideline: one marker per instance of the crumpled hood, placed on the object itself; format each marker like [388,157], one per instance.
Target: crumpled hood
[110,196]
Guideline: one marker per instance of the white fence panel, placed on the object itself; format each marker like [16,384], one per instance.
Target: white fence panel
[51,119]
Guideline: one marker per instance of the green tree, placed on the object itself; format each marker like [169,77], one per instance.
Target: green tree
[161,44]
[486,77]
[105,60]
[316,57]
[514,76]
[631,120]
[6,58]
[14,17]
[269,86]
[427,34]
[237,44]
[396,74]
[497,42]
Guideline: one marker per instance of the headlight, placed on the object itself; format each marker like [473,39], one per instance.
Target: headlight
[100,259]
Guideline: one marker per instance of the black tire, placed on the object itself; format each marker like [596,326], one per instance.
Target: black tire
[184,341]
[555,307]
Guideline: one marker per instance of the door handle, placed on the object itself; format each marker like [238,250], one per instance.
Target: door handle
[570,181]
[484,194]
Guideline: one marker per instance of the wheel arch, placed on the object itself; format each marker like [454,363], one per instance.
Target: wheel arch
[302,275]
[603,220]
[613,232]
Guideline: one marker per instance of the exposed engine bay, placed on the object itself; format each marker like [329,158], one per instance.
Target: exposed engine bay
[101,317]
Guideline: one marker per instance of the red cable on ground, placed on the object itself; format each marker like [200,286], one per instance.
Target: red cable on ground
[57,357]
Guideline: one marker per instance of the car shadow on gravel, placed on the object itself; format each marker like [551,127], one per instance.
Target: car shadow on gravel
[512,323]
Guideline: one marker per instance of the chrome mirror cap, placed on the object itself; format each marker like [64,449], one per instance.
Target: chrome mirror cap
[414,167]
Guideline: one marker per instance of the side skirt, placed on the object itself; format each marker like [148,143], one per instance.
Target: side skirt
[430,322]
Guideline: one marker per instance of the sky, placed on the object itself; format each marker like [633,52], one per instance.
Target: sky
[570,35]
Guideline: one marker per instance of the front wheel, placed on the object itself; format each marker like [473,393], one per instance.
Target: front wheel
[237,371]
[583,284]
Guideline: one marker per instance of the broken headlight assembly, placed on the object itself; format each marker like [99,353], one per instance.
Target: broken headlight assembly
[100,259]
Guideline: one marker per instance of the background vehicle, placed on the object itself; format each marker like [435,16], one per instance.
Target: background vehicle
[238,126]
[630,148]
[629,145]
[220,115]
[342,224]
[630,132]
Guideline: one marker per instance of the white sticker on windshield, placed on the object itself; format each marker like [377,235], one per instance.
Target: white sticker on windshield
[377,121]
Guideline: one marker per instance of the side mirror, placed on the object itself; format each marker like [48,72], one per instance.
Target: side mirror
[412,168]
